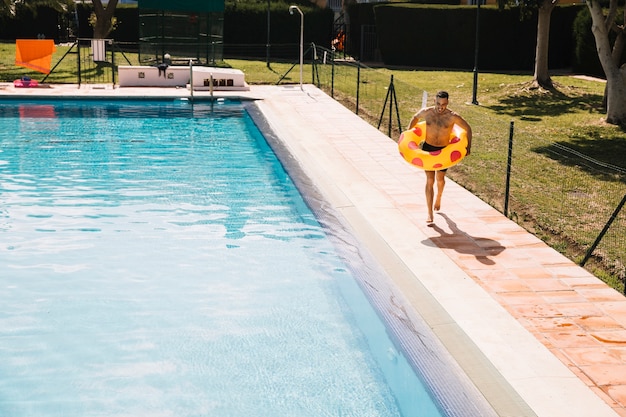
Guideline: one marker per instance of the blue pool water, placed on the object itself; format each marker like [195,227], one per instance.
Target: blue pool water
[156,260]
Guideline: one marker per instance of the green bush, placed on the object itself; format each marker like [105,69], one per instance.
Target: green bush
[411,34]
[585,56]
[586,59]
[246,24]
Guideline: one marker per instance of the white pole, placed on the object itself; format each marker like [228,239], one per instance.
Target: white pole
[291,9]
[191,77]
[301,45]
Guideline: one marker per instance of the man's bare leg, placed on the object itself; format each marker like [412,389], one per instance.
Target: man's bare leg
[430,193]
[441,182]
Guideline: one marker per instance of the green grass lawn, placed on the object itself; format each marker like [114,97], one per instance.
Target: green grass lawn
[562,198]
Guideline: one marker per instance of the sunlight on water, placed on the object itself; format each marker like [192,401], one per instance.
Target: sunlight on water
[156,260]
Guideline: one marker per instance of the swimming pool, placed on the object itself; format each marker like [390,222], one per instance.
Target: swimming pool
[156,260]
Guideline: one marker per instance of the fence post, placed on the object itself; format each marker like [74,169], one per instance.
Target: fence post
[391,91]
[78,63]
[395,98]
[387,97]
[358,83]
[316,69]
[112,63]
[603,232]
[332,72]
[391,97]
[314,64]
[508,171]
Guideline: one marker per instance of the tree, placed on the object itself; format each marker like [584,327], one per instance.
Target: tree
[6,8]
[610,57]
[9,7]
[102,19]
[541,77]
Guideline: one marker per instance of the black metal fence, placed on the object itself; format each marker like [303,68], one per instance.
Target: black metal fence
[92,61]
[565,197]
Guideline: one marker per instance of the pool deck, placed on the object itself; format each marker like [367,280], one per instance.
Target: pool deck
[537,334]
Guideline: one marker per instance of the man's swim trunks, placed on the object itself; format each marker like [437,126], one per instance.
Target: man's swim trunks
[427,147]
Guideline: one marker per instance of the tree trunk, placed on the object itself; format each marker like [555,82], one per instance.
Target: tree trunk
[541,77]
[104,18]
[616,98]
[615,76]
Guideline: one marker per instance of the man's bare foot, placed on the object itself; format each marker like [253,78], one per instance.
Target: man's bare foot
[429,219]
[438,204]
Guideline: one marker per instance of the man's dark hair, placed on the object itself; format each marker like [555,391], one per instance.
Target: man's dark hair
[442,94]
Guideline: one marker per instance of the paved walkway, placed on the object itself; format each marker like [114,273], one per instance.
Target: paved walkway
[506,306]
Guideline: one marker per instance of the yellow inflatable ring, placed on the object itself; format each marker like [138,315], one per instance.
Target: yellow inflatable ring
[410,147]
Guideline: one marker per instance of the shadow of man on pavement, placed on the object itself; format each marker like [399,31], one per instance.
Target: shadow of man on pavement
[460,241]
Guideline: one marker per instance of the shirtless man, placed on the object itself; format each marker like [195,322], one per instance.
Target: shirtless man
[439,122]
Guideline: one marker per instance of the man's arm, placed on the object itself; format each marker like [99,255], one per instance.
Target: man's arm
[416,118]
[464,125]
